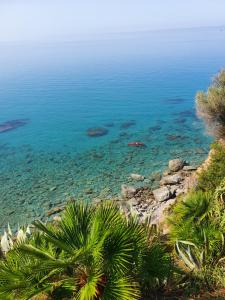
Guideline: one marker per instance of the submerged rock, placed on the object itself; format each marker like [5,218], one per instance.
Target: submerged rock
[176,164]
[96,132]
[137,177]
[13,124]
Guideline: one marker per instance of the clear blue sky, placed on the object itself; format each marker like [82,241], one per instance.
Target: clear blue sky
[66,19]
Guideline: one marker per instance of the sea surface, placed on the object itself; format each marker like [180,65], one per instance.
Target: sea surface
[138,86]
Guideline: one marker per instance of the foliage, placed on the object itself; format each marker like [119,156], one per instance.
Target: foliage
[210,105]
[94,252]
[210,178]
[197,230]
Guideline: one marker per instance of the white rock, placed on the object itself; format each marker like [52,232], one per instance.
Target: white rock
[137,177]
[171,179]
[189,168]
[162,194]
[176,164]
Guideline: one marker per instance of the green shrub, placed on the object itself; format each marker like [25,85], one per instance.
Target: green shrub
[211,177]
[93,253]
[197,229]
[211,106]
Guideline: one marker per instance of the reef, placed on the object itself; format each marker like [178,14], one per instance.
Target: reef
[12,124]
[96,132]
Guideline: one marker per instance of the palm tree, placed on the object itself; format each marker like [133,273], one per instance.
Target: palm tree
[92,253]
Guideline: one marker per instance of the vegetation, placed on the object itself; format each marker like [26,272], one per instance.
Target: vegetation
[210,105]
[197,230]
[210,178]
[92,253]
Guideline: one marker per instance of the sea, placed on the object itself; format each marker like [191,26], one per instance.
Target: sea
[84,101]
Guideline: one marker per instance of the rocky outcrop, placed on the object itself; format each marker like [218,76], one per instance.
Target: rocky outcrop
[154,204]
[176,165]
[162,194]
[171,179]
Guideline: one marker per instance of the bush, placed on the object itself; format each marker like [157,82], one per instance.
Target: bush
[210,105]
[197,229]
[94,252]
[211,177]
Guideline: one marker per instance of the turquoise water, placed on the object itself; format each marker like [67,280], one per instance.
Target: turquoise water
[66,88]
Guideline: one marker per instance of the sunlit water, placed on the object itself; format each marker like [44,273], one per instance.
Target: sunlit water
[66,88]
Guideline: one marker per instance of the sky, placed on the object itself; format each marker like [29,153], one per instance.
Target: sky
[40,20]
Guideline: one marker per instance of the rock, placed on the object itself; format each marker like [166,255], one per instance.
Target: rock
[166,172]
[137,177]
[176,164]
[54,211]
[162,194]
[189,168]
[132,202]
[12,124]
[179,191]
[96,132]
[156,176]
[171,179]
[173,189]
[127,191]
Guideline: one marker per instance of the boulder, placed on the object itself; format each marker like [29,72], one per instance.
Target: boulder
[189,168]
[137,177]
[162,194]
[176,165]
[54,211]
[171,179]
[128,191]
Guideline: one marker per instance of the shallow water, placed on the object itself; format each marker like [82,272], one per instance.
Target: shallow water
[66,88]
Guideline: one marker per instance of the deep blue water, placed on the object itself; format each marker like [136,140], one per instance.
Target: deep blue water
[65,88]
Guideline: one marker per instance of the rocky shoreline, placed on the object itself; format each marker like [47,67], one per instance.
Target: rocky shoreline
[153,203]
[147,203]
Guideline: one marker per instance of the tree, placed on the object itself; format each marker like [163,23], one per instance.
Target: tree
[210,106]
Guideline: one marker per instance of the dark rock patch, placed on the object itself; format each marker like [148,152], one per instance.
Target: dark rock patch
[96,132]
[13,124]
